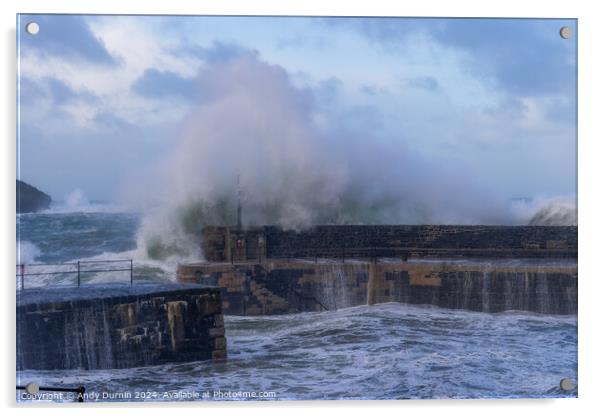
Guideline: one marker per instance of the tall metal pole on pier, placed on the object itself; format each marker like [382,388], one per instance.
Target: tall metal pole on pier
[239,207]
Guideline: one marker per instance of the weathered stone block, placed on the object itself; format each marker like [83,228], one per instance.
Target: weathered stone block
[350,241]
[219,354]
[219,343]
[216,332]
[117,326]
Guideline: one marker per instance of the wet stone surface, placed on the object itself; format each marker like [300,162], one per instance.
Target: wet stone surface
[117,326]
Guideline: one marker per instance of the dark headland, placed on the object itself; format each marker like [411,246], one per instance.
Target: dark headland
[30,198]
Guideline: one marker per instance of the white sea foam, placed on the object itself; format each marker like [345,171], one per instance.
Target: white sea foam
[27,252]
[144,267]
[387,351]
[77,202]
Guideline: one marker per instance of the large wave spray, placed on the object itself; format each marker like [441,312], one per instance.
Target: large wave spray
[254,136]
[555,212]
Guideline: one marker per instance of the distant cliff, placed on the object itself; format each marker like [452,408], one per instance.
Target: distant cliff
[31,199]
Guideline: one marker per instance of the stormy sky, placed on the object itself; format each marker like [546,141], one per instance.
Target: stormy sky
[485,104]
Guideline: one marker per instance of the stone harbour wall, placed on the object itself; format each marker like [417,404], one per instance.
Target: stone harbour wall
[280,286]
[118,327]
[230,244]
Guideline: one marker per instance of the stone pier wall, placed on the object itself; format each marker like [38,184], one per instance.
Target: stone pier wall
[279,286]
[118,326]
[230,244]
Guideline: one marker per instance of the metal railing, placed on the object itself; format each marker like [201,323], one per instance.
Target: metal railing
[77,269]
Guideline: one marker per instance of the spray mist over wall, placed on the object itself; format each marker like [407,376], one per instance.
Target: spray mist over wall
[253,129]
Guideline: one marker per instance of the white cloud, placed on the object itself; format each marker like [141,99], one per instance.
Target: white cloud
[467,114]
[137,46]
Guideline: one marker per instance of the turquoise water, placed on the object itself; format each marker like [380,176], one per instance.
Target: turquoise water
[46,240]
[63,237]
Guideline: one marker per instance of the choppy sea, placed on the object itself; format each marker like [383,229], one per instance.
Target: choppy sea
[387,351]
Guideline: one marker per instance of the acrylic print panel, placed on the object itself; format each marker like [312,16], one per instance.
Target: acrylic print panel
[295,208]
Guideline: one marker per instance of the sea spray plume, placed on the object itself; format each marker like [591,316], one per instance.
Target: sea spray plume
[561,210]
[27,252]
[76,199]
[555,212]
[255,127]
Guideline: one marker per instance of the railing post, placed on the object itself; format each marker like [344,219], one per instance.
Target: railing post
[78,275]
[131,272]
[22,276]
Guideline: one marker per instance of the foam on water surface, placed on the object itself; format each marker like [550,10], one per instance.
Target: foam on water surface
[388,351]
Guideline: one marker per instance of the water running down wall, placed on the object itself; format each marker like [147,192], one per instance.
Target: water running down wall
[118,326]
[268,270]
[278,286]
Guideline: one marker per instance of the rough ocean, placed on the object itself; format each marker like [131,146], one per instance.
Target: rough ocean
[387,351]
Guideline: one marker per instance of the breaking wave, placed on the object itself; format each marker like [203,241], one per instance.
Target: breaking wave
[27,252]
[556,212]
